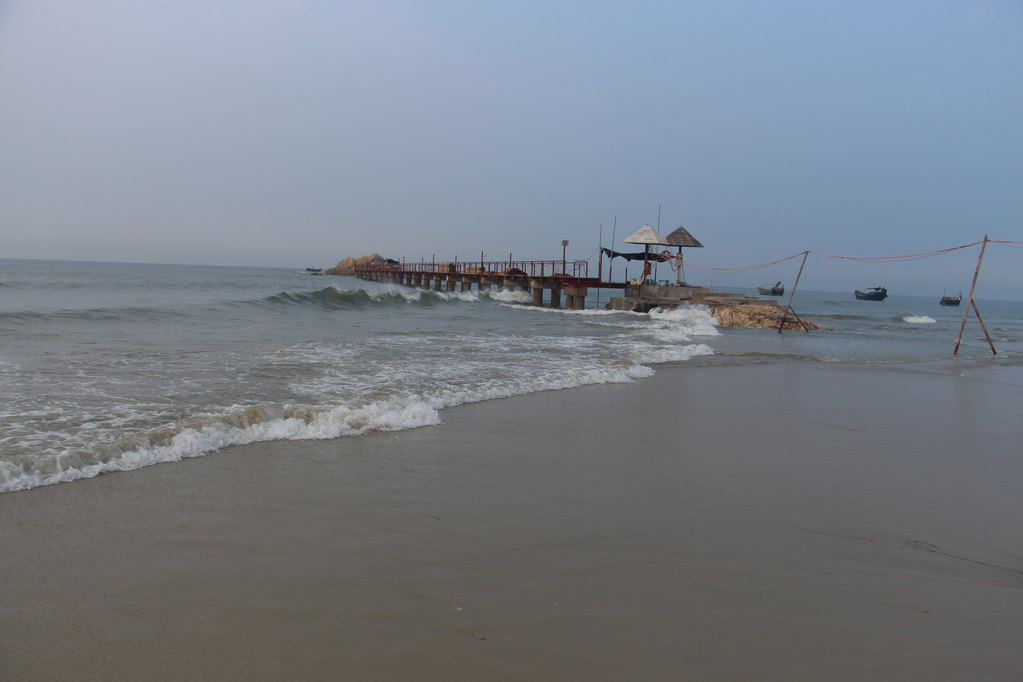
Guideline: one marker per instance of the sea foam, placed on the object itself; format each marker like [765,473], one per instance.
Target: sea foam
[325,386]
[511,296]
[239,425]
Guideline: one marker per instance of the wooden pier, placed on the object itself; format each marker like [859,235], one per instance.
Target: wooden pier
[546,280]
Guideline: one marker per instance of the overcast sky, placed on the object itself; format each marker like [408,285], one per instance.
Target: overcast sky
[297,132]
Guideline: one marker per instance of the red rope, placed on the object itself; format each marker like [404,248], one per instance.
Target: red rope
[896,259]
[749,267]
[868,259]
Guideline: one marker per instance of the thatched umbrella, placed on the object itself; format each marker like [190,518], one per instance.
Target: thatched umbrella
[681,237]
[646,236]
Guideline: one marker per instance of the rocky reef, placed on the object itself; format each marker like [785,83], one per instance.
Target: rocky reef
[729,309]
[756,316]
[346,266]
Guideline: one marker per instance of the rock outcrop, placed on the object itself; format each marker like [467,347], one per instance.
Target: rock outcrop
[346,266]
[756,316]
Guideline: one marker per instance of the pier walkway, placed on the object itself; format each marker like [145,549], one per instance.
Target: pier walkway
[546,280]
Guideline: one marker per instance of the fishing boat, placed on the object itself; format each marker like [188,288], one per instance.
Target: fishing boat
[776,290]
[951,300]
[314,271]
[871,294]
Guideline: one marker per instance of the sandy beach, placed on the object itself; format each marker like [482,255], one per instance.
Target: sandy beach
[759,522]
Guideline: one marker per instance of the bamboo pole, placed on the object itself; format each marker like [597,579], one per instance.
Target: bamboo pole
[976,311]
[969,300]
[610,259]
[792,294]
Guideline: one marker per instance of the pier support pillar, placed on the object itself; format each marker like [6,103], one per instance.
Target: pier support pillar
[449,285]
[465,284]
[537,295]
[555,297]
[436,282]
[575,298]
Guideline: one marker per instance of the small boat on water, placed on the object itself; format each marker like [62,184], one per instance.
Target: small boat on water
[314,271]
[776,290]
[951,300]
[871,294]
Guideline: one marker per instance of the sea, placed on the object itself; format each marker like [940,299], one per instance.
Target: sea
[110,367]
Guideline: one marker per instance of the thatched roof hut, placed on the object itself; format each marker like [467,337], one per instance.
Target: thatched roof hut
[681,237]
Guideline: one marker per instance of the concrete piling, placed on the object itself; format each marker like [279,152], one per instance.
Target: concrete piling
[575,298]
[555,297]
[456,276]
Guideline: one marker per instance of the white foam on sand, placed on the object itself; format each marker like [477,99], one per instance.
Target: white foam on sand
[244,424]
[238,425]
[341,403]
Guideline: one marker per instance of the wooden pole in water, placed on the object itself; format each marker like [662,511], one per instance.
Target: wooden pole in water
[969,302]
[976,311]
[792,294]
[610,260]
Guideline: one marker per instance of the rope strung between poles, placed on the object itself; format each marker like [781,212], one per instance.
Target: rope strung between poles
[898,259]
[867,259]
[750,267]
[903,258]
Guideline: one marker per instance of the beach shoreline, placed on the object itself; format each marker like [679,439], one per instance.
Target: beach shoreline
[772,522]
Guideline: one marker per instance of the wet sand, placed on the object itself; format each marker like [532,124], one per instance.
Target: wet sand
[772,522]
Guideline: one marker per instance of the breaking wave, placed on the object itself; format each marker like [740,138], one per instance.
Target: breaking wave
[107,411]
[330,297]
[244,424]
[238,425]
[512,296]
[112,314]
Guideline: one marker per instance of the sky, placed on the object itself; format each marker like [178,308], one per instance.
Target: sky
[294,133]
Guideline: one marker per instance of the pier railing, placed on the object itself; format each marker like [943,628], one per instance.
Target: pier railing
[571,269]
[545,280]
